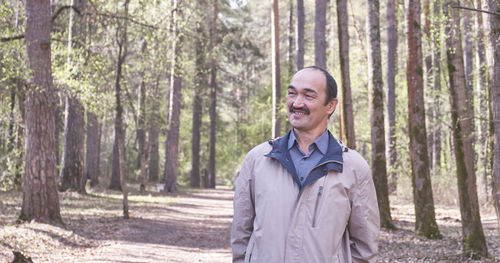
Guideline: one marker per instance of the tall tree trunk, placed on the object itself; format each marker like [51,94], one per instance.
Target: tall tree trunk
[436,87]
[154,132]
[299,35]
[425,219]
[492,28]
[392,50]
[92,157]
[72,176]
[345,78]
[40,197]
[199,82]
[276,119]
[141,129]
[73,152]
[474,244]
[482,99]
[172,144]
[468,32]
[21,98]
[213,96]
[376,98]
[427,82]
[119,131]
[320,34]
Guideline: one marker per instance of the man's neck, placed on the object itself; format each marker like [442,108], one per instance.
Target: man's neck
[307,138]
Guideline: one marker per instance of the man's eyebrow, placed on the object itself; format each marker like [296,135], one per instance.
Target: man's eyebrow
[310,90]
[291,87]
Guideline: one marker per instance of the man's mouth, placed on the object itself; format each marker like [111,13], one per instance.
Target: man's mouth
[299,111]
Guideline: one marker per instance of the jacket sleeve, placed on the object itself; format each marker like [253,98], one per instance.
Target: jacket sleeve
[364,222]
[244,211]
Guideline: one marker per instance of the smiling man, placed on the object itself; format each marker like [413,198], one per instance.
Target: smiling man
[305,197]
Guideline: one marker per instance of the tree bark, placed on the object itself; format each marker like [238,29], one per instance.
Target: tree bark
[199,85]
[320,34]
[376,98]
[289,53]
[276,118]
[141,130]
[213,98]
[482,99]
[299,35]
[436,87]
[40,196]
[73,152]
[154,132]
[474,244]
[392,50]
[93,153]
[425,219]
[492,28]
[345,78]
[172,144]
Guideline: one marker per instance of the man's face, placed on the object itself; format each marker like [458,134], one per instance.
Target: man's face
[307,111]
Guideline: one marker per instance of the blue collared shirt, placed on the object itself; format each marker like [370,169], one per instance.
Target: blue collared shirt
[305,162]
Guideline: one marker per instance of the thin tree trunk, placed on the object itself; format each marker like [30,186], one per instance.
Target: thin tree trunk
[345,78]
[299,35]
[154,132]
[492,28]
[482,99]
[40,196]
[276,118]
[468,32]
[425,219]
[474,244]
[213,97]
[21,98]
[320,34]
[93,153]
[436,90]
[172,144]
[199,82]
[376,98]
[390,137]
[428,84]
[141,130]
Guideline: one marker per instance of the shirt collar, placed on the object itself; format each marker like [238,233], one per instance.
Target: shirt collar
[321,142]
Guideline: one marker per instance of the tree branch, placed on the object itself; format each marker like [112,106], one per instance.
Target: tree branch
[476,10]
[62,8]
[7,39]
[127,18]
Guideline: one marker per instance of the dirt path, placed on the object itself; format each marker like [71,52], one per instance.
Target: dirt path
[193,229]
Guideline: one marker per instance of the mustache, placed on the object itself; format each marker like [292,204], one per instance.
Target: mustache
[293,109]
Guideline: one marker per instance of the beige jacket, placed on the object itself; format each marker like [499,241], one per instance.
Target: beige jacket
[333,219]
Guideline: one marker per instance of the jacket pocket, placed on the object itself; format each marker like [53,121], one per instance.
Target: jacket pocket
[316,204]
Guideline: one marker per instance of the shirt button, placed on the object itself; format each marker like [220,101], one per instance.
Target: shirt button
[302,178]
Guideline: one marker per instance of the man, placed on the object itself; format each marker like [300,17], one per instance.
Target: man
[305,197]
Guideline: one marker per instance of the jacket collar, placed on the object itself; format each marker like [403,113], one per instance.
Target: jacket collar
[332,160]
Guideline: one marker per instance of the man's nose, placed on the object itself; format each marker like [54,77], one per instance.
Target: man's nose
[299,101]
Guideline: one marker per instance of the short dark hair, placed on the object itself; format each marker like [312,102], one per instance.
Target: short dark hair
[331,85]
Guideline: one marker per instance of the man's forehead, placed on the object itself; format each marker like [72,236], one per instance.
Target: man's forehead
[309,77]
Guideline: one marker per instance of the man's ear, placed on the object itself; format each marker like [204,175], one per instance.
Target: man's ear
[332,104]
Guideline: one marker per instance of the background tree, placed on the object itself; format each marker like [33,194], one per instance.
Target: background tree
[172,144]
[345,78]
[276,119]
[72,176]
[425,219]
[390,96]
[299,35]
[376,102]
[474,244]
[40,197]
[492,28]
[213,95]
[320,34]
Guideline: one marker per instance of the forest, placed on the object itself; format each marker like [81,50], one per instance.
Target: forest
[126,99]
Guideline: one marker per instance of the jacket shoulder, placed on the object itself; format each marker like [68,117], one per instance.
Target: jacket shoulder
[260,150]
[353,159]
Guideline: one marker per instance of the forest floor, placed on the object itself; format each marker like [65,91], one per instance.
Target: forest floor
[192,226]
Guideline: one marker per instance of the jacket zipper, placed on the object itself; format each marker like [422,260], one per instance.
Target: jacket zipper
[320,192]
